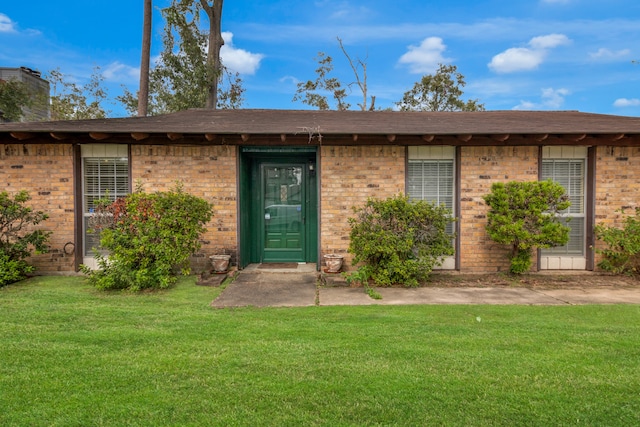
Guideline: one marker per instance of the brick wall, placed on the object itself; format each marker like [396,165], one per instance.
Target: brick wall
[480,168]
[45,171]
[617,185]
[349,176]
[208,172]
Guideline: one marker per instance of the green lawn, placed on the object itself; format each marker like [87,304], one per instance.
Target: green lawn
[72,356]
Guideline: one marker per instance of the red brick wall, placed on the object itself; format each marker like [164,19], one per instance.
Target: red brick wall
[349,176]
[480,168]
[45,171]
[207,172]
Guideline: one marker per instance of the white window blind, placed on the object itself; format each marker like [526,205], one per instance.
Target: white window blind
[433,181]
[103,177]
[570,173]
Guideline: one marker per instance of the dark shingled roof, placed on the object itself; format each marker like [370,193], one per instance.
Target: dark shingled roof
[291,122]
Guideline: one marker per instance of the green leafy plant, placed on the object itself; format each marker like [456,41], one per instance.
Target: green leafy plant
[399,241]
[622,254]
[373,294]
[18,238]
[362,276]
[525,215]
[148,237]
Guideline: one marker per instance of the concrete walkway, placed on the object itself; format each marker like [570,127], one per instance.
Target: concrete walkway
[297,287]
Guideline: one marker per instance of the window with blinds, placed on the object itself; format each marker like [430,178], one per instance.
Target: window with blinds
[102,177]
[433,181]
[570,173]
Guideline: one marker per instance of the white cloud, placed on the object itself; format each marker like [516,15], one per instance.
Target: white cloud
[238,60]
[527,58]
[341,10]
[608,55]
[549,41]
[554,98]
[294,81]
[526,105]
[117,71]
[6,24]
[516,59]
[624,102]
[550,99]
[426,57]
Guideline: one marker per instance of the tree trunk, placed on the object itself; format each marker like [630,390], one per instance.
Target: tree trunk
[214,12]
[143,93]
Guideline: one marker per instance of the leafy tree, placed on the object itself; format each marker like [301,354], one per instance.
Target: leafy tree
[148,236]
[524,215]
[14,96]
[399,241]
[72,102]
[312,92]
[189,73]
[441,91]
[18,238]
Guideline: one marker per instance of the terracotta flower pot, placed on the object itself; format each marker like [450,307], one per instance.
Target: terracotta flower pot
[333,262]
[220,263]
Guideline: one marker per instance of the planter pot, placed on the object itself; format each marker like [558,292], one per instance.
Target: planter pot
[220,263]
[333,263]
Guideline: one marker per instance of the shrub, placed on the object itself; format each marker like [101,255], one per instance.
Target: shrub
[623,252]
[399,241]
[17,237]
[524,215]
[148,237]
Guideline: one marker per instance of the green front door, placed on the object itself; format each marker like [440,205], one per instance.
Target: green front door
[283,208]
[279,207]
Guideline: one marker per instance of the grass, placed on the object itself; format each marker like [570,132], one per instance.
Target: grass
[73,356]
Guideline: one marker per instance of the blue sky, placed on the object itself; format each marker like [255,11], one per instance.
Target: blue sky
[533,54]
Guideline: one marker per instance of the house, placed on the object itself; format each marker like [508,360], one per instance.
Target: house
[283,183]
[37,86]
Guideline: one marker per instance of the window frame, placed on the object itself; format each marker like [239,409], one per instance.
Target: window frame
[562,258]
[438,154]
[573,211]
[117,155]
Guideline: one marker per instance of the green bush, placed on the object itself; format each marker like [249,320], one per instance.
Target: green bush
[148,237]
[524,215]
[399,241]
[18,239]
[12,271]
[622,254]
